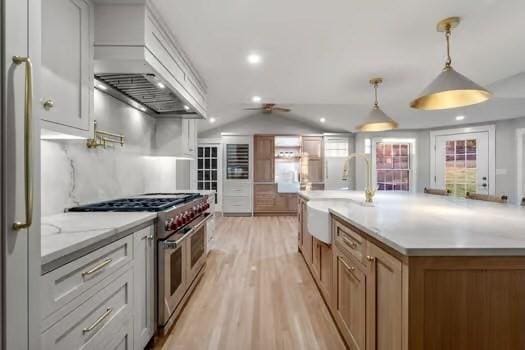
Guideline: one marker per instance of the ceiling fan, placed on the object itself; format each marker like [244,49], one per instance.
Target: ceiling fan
[269,108]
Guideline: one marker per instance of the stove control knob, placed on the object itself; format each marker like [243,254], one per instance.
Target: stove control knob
[179,221]
[168,223]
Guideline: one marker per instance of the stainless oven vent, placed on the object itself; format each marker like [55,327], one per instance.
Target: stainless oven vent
[146,90]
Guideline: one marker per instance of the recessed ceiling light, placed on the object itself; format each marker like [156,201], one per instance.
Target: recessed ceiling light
[322,120]
[256,99]
[254,58]
[460,117]
[212,120]
[186,108]
[161,85]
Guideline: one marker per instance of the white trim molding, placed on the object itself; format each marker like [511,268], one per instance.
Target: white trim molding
[490,129]
[520,142]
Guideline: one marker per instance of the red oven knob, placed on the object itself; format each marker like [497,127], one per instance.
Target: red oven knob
[179,221]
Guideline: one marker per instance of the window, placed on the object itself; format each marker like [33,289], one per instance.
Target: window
[207,169]
[393,166]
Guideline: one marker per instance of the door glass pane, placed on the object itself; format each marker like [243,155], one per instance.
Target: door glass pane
[460,167]
[175,270]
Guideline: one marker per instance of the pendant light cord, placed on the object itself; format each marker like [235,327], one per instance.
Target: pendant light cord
[448,63]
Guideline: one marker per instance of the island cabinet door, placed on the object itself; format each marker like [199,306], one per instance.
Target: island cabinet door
[307,239]
[384,300]
[349,300]
[300,224]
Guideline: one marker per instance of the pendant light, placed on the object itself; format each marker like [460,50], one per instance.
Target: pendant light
[377,120]
[450,89]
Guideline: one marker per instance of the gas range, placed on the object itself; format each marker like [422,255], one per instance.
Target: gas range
[175,210]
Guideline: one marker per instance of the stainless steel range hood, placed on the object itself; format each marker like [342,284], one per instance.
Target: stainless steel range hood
[145,92]
[139,61]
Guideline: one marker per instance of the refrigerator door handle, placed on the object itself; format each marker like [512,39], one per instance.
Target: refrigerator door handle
[28,111]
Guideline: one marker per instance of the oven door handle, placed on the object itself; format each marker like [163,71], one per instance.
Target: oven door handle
[198,226]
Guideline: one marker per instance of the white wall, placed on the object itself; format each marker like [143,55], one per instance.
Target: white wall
[506,153]
[72,174]
[263,124]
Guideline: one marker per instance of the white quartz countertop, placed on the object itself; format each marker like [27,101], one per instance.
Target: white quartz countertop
[67,233]
[429,225]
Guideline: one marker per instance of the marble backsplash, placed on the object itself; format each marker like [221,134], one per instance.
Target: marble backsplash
[72,174]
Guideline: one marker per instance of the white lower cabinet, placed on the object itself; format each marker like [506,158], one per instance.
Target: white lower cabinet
[102,322]
[103,300]
[144,291]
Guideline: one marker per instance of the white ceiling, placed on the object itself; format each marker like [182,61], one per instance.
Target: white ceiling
[319,55]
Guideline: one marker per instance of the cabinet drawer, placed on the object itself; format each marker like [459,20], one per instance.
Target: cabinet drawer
[236,204]
[236,189]
[350,241]
[66,283]
[102,322]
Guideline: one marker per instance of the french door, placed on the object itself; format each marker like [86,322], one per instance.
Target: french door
[461,163]
[208,171]
[520,138]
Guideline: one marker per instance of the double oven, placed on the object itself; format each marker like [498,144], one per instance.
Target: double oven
[181,258]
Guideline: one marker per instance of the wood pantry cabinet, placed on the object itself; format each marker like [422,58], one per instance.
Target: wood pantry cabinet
[263,168]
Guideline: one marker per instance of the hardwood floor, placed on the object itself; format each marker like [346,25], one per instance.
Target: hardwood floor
[256,294]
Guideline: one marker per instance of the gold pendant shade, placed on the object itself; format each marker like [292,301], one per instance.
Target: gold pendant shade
[377,120]
[450,89]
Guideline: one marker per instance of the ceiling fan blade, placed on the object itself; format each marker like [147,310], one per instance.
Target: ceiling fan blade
[282,109]
[252,109]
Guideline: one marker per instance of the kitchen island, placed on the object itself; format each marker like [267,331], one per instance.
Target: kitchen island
[418,271]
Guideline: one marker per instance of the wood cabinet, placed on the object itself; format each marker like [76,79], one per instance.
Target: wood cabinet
[268,201]
[143,287]
[312,159]
[384,300]
[349,300]
[264,153]
[67,66]
[322,266]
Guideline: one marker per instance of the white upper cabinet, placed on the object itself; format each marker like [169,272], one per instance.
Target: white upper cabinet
[67,66]
[175,137]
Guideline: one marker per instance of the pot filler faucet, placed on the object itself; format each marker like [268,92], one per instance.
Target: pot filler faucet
[369,191]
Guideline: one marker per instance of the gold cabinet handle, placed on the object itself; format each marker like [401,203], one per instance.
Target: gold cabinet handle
[370,258]
[350,268]
[48,104]
[28,144]
[98,320]
[352,244]
[97,268]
